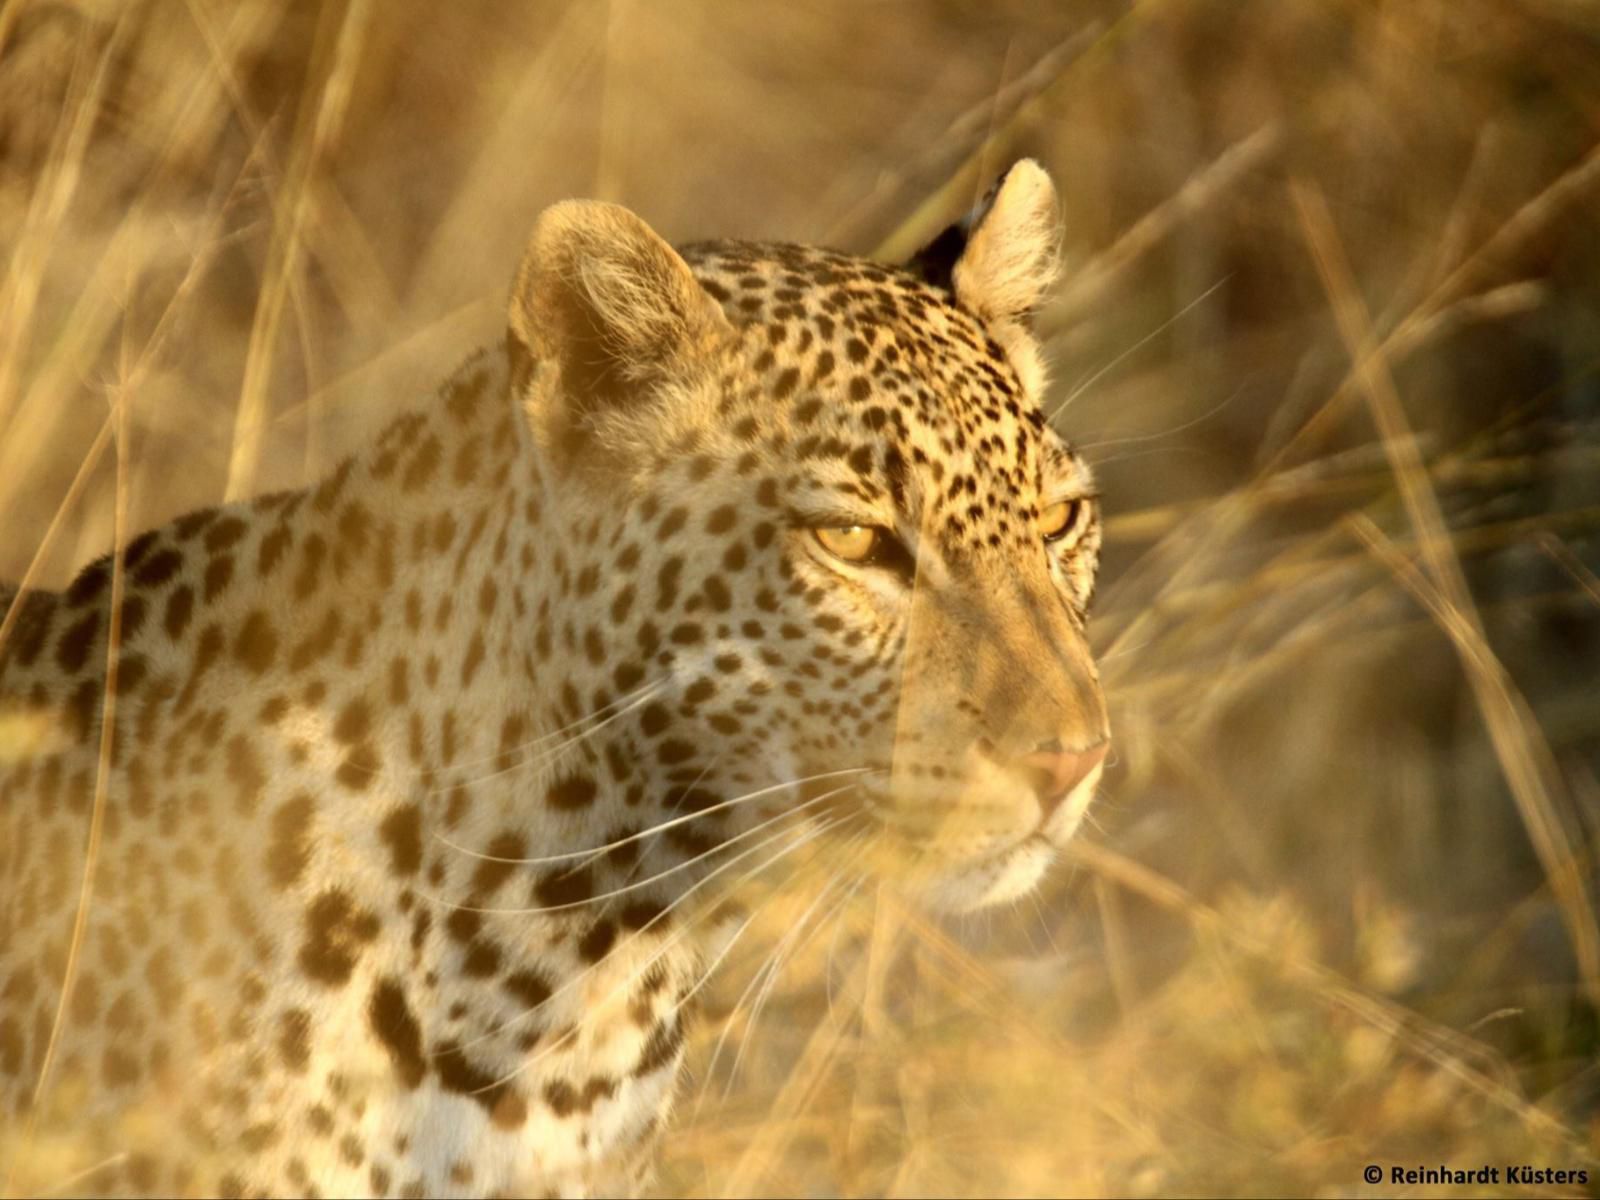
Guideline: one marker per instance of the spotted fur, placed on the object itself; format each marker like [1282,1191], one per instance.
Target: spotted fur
[413,776]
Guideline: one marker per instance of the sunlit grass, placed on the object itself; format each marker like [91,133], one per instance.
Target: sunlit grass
[1328,325]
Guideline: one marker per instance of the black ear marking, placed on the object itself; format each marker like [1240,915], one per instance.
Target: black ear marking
[998,260]
[936,262]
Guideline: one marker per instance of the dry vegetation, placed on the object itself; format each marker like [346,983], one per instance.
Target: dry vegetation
[1330,328]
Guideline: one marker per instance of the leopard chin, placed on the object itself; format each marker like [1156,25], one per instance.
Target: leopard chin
[997,879]
[1012,872]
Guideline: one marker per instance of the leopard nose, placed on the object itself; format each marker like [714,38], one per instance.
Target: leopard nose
[1055,771]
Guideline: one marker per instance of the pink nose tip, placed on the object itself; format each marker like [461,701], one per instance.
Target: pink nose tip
[1056,771]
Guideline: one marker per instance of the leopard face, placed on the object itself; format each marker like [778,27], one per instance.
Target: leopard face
[409,790]
[864,560]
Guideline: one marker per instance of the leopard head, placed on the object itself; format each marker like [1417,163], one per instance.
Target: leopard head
[822,537]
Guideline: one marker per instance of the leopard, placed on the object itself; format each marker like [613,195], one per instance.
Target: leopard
[368,838]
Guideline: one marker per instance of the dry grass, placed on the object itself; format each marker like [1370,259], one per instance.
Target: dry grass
[1331,330]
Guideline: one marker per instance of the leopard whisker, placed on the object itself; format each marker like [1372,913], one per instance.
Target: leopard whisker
[833,946]
[1044,924]
[683,792]
[671,823]
[672,941]
[1097,375]
[705,977]
[496,1030]
[634,886]
[767,977]
[590,725]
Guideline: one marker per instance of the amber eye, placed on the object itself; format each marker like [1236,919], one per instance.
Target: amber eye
[853,543]
[1059,519]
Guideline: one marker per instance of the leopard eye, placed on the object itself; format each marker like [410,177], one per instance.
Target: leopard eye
[853,543]
[1060,519]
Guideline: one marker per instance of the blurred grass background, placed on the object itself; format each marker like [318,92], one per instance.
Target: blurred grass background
[1329,329]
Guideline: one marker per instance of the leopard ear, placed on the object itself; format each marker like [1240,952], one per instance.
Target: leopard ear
[1001,257]
[616,309]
